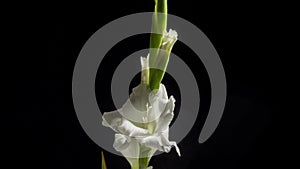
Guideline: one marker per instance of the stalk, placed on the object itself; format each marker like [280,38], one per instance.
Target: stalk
[159,24]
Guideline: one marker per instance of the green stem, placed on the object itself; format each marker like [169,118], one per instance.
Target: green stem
[142,163]
[135,165]
[159,25]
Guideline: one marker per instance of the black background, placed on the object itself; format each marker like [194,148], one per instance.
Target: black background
[246,37]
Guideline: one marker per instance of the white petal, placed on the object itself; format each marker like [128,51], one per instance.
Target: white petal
[168,144]
[129,148]
[166,117]
[111,119]
[119,124]
[121,142]
[159,141]
[158,103]
[144,103]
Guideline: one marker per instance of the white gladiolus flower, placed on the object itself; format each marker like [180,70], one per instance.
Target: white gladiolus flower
[142,123]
